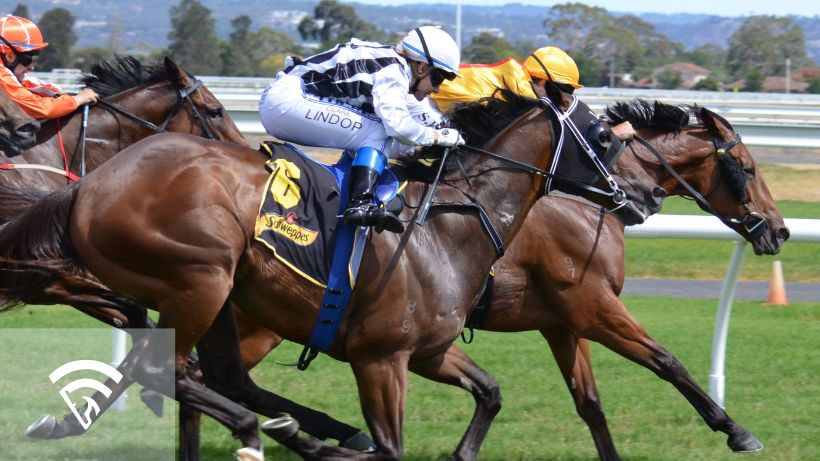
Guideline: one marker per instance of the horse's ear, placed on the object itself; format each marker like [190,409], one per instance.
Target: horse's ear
[715,123]
[175,73]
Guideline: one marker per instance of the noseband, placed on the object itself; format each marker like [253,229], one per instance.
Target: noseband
[184,97]
[751,221]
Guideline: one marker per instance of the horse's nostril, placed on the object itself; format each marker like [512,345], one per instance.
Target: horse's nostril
[659,192]
[783,233]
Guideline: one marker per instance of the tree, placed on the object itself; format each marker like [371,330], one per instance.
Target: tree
[84,58]
[616,45]
[764,43]
[709,56]
[21,10]
[669,79]
[194,44]
[486,48]
[57,28]
[814,86]
[571,24]
[709,83]
[236,53]
[334,23]
[754,80]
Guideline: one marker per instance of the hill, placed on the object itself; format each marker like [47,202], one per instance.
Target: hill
[147,23]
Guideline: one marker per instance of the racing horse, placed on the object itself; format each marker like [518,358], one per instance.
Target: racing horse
[564,279]
[18,130]
[563,273]
[136,101]
[176,232]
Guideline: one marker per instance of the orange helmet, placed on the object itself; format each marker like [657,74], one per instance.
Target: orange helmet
[561,67]
[21,33]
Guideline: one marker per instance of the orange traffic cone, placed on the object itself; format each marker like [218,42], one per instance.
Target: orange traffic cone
[777,288]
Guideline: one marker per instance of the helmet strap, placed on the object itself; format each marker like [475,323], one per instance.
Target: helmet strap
[540,63]
[415,85]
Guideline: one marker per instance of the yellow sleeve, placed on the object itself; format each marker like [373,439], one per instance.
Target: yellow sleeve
[481,80]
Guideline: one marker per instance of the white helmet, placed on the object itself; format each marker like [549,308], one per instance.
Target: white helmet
[432,45]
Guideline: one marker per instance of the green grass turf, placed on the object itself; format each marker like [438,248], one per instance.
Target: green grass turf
[772,388]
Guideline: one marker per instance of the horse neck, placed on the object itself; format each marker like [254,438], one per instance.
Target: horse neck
[505,193]
[105,134]
[687,153]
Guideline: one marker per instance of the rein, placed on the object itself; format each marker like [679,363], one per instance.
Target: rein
[751,221]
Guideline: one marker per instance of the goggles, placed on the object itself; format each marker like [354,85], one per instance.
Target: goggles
[25,59]
[438,76]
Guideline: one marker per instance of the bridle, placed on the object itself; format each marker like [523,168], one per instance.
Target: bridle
[751,221]
[616,195]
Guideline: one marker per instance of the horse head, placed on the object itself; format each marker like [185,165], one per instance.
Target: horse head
[18,131]
[692,151]
[740,196]
[154,98]
[206,114]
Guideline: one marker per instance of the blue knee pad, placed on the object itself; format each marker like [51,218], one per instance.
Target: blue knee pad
[370,157]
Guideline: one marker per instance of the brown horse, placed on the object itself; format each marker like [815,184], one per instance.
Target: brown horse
[138,101]
[563,279]
[18,131]
[175,232]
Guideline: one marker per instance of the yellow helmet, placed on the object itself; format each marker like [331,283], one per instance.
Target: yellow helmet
[555,62]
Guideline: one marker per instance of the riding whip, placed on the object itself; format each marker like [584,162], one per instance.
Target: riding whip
[428,199]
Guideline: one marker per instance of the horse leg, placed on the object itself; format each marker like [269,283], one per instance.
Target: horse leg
[382,384]
[189,426]
[457,369]
[572,357]
[620,332]
[47,427]
[224,371]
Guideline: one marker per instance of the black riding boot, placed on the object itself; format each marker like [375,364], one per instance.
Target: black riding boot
[360,208]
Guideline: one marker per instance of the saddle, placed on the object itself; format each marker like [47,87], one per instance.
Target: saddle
[300,220]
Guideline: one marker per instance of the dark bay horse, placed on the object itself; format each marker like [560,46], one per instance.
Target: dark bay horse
[18,131]
[564,271]
[170,222]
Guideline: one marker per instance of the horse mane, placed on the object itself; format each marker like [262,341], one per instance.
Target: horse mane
[121,73]
[656,115]
[478,122]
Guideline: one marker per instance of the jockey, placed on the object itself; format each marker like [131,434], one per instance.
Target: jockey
[20,42]
[355,97]
[546,63]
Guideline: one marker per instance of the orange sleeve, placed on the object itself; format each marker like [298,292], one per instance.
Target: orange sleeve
[36,105]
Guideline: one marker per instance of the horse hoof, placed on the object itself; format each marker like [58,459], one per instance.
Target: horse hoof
[152,400]
[249,454]
[281,428]
[42,428]
[360,442]
[744,443]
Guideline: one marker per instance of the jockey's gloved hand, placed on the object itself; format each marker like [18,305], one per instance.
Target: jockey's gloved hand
[447,137]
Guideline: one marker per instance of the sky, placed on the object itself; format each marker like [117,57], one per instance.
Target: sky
[716,7]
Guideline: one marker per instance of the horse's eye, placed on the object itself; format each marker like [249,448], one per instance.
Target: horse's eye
[214,112]
[749,170]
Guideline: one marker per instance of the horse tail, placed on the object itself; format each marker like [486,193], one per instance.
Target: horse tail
[15,201]
[35,246]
